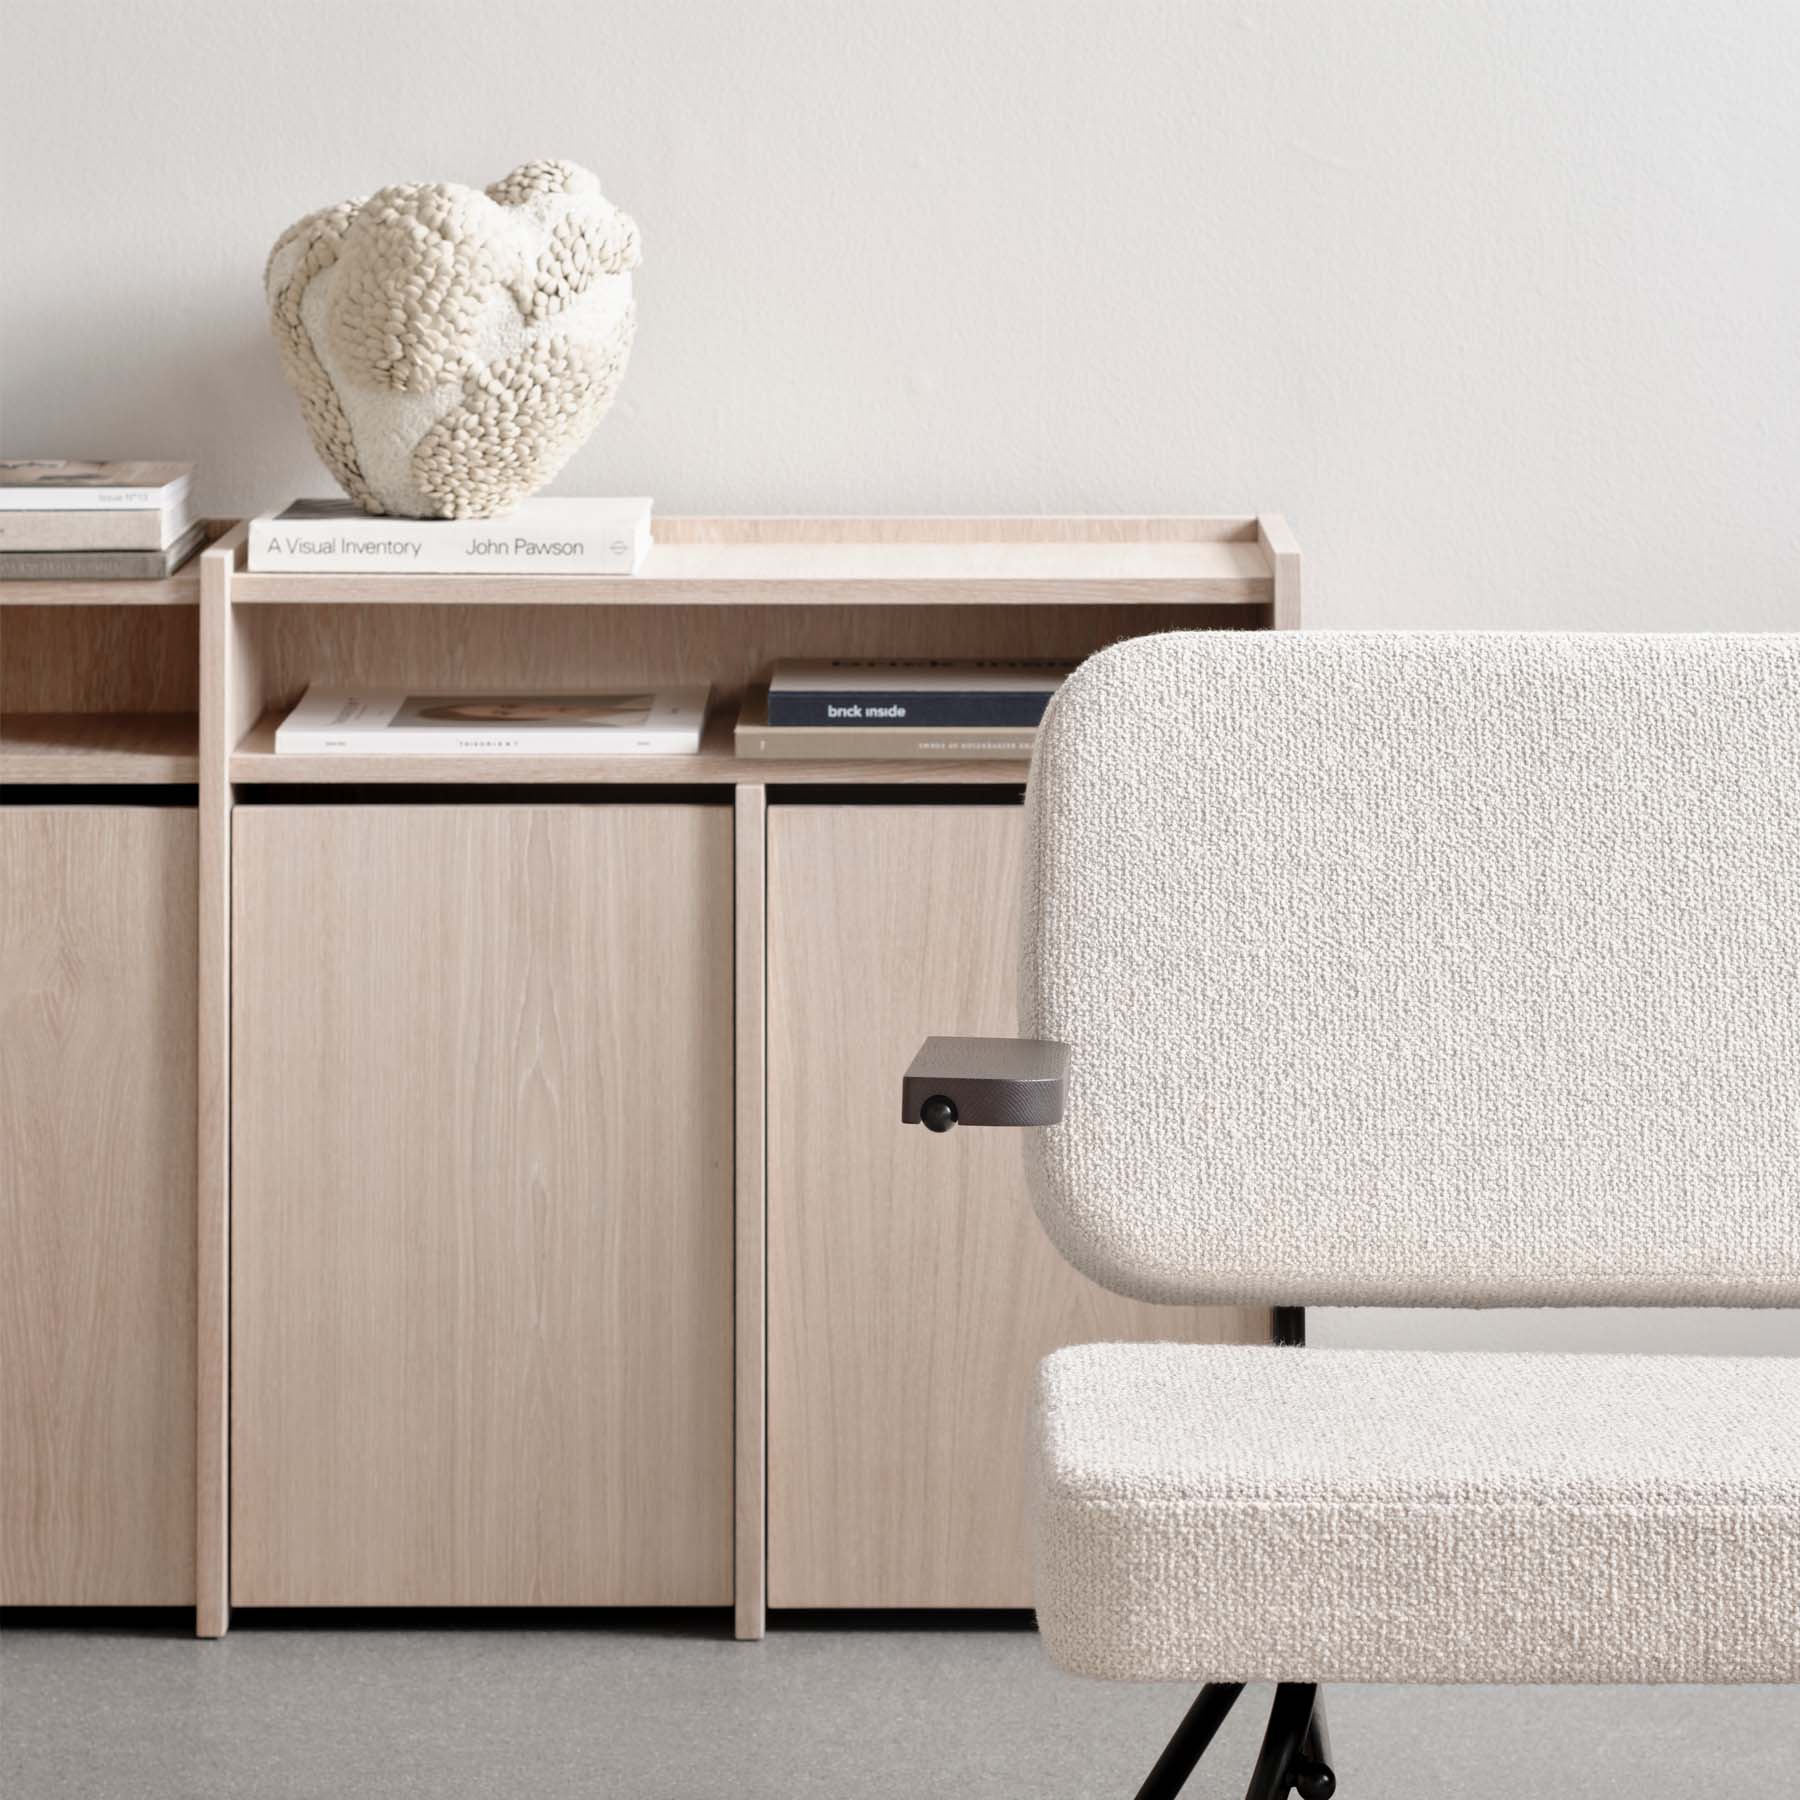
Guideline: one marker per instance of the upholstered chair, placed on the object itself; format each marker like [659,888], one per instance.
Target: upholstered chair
[1411,970]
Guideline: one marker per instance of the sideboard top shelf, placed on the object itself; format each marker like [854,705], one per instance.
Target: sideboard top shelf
[877,561]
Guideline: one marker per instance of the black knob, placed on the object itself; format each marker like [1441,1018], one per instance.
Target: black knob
[938,1113]
[1314,1781]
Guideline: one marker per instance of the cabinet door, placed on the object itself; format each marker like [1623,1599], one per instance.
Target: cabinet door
[911,1290]
[98,949]
[481,1205]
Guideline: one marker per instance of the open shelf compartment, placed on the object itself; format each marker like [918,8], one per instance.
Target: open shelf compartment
[99,682]
[716,763]
[717,603]
[98,749]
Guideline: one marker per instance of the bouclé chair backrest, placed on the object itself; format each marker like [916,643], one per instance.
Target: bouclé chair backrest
[1422,968]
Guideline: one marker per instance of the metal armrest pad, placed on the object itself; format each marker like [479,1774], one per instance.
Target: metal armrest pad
[985,1081]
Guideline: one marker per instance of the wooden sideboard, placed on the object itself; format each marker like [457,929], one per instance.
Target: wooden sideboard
[479,1181]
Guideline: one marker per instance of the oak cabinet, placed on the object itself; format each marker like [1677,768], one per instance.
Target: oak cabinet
[911,1291]
[469,1183]
[98,945]
[481,1205]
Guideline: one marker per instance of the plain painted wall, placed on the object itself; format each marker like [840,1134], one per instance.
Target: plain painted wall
[1498,303]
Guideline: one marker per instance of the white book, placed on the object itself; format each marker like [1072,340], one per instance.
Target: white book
[640,721]
[47,485]
[538,537]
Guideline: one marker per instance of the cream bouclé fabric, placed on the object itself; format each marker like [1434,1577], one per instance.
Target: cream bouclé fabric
[451,348]
[1422,968]
[1220,1513]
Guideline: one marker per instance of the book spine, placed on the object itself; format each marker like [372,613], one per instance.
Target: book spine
[444,547]
[901,744]
[87,565]
[96,499]
[69,532]
[989,709]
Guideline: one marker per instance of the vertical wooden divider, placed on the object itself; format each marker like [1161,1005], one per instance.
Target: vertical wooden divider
[219,709]
[1282,549]
[750,1414]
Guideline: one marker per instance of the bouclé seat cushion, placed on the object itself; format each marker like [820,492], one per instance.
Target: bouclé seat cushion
[1230,1513]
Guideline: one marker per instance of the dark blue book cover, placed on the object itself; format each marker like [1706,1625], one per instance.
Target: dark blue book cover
[939,708]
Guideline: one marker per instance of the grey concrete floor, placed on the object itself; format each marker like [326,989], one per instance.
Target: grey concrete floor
[646,1710]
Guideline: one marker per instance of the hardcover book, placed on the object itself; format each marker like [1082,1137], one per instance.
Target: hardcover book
[538,537]
[880,696]
[102,565]
[396,722]
[755,737]
[53,486]
[108,528]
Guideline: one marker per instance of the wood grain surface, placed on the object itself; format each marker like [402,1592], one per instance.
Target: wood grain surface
[461,645]
[97,972]
[1007,561]
[481,1219]
[750,1284]
[911,1290]
[116,749]
[99,659]
[224,707]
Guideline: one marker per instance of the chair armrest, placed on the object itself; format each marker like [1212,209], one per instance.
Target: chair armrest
[985,1081]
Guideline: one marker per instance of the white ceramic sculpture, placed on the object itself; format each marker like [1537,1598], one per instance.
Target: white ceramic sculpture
[451,348]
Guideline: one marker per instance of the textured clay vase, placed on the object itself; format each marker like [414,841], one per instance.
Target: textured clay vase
[452,349]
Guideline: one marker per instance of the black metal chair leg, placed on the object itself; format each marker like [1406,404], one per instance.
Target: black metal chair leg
[1312,1774]
[1189,1743]
[1289,1718]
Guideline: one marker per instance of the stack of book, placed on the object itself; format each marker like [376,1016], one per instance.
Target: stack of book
[890,710]
[538,537]
[96,521]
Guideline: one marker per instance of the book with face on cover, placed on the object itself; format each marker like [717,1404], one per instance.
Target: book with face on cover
[640,721]
[52,485]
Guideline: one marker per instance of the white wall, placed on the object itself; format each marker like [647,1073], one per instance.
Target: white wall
[1499,303]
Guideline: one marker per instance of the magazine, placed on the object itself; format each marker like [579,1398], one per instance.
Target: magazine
[640,721]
